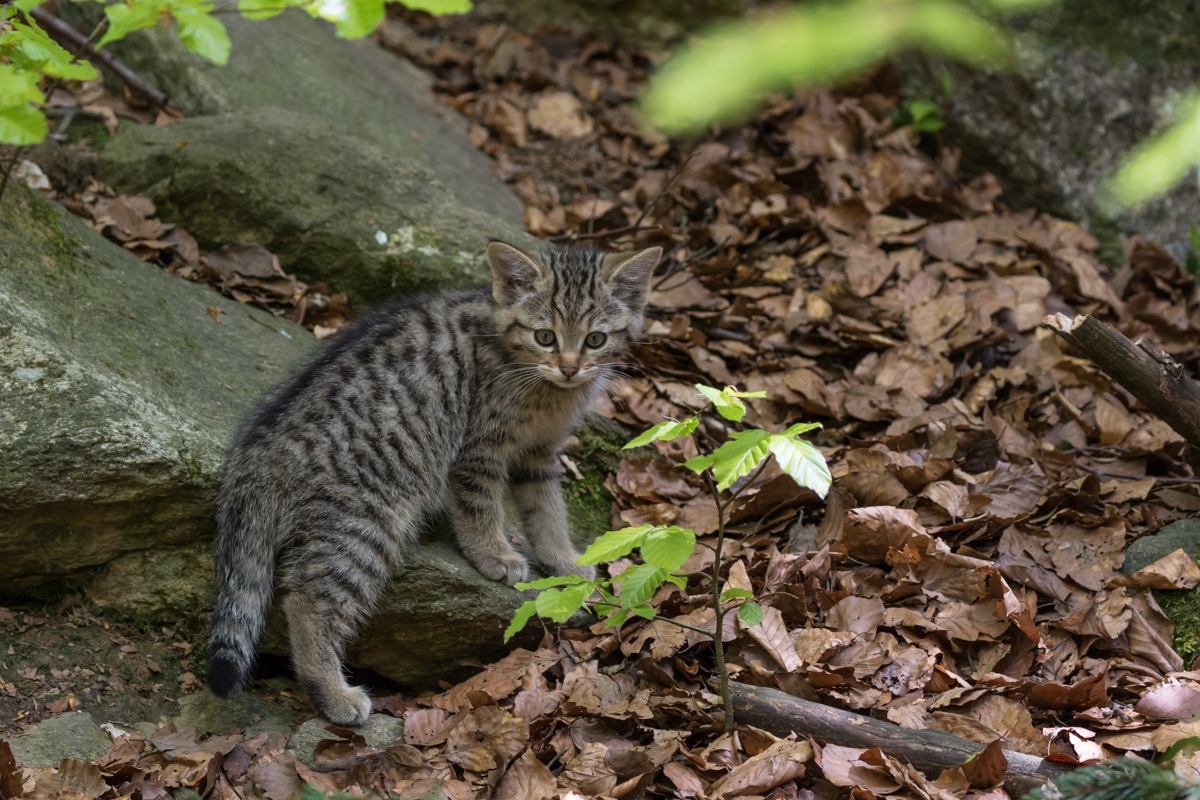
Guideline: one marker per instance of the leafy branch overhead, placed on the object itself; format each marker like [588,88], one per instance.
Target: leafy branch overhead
[28,56]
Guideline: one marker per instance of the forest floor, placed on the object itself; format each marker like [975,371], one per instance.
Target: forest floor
[965,573]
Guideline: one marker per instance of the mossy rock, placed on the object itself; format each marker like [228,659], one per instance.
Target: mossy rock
[1181,606]
[73,734]
[334,207]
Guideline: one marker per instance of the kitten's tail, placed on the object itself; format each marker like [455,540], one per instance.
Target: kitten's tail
[246,545]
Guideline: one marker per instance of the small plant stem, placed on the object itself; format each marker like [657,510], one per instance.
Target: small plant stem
[685,625]
[95,34]
[718,611]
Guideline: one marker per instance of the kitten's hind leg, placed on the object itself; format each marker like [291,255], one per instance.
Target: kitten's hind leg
[317,632]
[332,580]
[537,489]
[477,507]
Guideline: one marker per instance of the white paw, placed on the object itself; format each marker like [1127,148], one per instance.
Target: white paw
[350,708]
[509,568]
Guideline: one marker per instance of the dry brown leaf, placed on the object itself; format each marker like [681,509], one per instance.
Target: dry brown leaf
[526,779]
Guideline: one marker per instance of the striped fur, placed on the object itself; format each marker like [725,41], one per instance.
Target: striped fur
[439,400]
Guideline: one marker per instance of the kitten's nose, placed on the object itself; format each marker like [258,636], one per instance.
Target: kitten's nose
[568,370]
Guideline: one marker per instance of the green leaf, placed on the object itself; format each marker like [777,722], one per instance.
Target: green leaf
[616,618]
[668,548]
[733,594]
[949,27]
[561,605]
[665,432]
[546,583]
[35,49]
[750,613]
[699,463]
[801,427]
[803,461]
[124,19]
[27,5]
[203,33]
[638,584]
[725,401]
[352,19]
[646,612]
[439,7]
[725,74]
[22,125]
[614,544]
[739,456]
[18,87]
[1158,164]
[1008,6]
[926,116]
[678,580]
[520,619]
[262,9]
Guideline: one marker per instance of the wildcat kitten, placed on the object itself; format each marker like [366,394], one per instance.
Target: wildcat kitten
[441,399]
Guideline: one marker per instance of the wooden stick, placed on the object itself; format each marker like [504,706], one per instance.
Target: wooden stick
[930,751]
[1160,382]
[107,59]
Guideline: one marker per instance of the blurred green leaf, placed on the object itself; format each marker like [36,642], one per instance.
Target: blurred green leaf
[750,613]
[18,87]
[124,19]
[439,7]
[1158,164]
[28,46]
[262,9]
[1008,6]
[203,33]
[644,611]
[668,548]
[520,619]
[734,594]
[699,463]
[950,28]
[352,19]
[924,116]
[726,73]
[22,125]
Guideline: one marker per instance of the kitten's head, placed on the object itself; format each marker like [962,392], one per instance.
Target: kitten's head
[570,314]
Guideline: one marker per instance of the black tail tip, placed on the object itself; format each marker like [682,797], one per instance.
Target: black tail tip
[226,674]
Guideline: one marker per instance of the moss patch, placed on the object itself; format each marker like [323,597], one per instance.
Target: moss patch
[1182,606]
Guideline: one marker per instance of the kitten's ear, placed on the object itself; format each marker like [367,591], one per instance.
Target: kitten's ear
[629,275]
[515,273]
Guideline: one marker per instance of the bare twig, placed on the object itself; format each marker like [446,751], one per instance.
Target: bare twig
[106,59]
[718,610]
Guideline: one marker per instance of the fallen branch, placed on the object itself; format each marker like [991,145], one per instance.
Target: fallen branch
[930,751]
[1160,382]
[105,58]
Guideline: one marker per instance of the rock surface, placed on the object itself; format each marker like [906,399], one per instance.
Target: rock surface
[294,62]
[381,732]
[332,206]
[72,734]
[1093,78]
[118,394]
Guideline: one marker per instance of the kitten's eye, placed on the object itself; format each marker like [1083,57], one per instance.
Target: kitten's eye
[596,339]
[544,337]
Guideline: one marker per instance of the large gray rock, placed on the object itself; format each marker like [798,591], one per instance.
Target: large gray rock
[332,206]
[118,394]
[70,735]
[295,62]
[1093,78]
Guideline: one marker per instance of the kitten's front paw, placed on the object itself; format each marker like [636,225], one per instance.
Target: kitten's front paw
[509,568]
[350,708]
